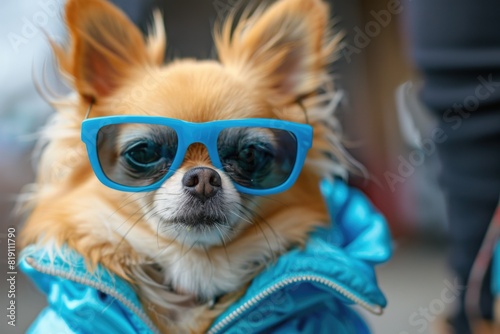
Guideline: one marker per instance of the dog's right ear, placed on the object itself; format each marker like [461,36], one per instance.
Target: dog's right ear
[105,47]
[283,51]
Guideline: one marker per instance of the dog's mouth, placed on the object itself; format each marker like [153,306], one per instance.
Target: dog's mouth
[203,215]
[205,224]
[200,221]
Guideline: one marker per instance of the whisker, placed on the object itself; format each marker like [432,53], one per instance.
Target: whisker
[259,220]
[220,233]
[122,204]
[212,266]
[137,211]
[182,248]
[267,241]
[266,197]
[242,218]
[125,235]
[158,234]
[223,243]
[166,247]
[149,211]
[263,220]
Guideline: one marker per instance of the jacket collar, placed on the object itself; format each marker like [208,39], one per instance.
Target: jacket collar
[46,267]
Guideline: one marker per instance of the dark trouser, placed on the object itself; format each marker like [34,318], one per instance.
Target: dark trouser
[456,46]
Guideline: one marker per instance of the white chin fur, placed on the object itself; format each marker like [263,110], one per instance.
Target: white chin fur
[212,237]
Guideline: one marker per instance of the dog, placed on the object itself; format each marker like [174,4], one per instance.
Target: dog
[194,197]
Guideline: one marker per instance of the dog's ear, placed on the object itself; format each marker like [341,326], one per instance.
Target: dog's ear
[283,50]
[105,47]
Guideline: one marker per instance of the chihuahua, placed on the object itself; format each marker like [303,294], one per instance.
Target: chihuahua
[188,178]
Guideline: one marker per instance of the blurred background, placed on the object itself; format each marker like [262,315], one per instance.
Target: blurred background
[385,125]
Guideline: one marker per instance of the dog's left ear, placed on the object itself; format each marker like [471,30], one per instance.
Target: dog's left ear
[283,51]
[106,47]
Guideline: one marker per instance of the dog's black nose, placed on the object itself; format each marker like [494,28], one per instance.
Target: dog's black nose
[202,182]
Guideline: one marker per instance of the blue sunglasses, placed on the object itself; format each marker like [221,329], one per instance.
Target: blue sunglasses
[138,153]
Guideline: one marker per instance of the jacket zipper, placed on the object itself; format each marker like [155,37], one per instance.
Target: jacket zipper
[375,309]
[101,287]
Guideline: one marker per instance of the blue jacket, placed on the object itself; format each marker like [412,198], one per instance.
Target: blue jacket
[306,291]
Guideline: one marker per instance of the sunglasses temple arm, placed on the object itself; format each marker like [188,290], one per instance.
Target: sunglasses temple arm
[88,110]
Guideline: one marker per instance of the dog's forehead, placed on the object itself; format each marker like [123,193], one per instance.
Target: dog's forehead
[194,91]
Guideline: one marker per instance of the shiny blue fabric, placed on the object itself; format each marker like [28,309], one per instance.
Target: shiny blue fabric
[307,290]
[76,306]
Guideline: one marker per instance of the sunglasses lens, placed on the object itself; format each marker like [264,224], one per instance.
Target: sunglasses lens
[257,158]
[136,155]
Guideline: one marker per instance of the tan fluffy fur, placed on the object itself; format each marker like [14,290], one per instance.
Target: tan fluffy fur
[268,61]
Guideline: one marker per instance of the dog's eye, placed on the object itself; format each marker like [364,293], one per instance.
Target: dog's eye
[257,158]
[143,153]
[254,156]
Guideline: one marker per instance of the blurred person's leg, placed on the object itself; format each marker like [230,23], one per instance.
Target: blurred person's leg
[456,45]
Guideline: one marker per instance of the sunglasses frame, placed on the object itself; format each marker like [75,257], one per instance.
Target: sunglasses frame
[189,133]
